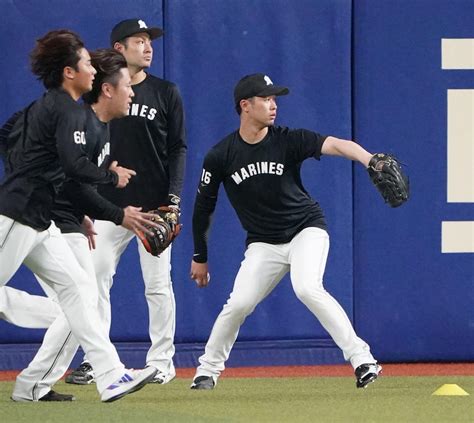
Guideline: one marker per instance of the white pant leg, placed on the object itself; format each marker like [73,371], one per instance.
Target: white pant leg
[308,255]
[111,242]
[54,262]
[16,242]
[47,367]
[59,346]
[25,310]
[262,268]
[159,295]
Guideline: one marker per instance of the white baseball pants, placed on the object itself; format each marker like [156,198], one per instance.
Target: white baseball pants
[25,310]
[59,346]
[261,270]
[111,243]
[48,255]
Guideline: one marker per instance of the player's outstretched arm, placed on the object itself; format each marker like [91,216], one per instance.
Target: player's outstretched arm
[384,170]
[333,146]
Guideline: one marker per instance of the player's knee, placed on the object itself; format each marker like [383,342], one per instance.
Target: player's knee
[158,285]
[309,292]
[239,306]
[162,293]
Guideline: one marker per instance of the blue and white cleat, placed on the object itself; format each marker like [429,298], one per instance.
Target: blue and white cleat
[130,382]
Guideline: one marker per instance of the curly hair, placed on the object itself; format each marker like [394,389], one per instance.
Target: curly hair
[52,53]
[108,63]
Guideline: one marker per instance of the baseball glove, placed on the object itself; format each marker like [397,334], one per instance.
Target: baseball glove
[167,219]
[388,177]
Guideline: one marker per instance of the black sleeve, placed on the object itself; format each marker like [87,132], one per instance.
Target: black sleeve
[70,137]
[86,199]
[304,144]
[202,216]
[176,141]
[5,131]
[204,205]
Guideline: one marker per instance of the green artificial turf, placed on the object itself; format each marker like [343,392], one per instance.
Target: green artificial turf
[319,399]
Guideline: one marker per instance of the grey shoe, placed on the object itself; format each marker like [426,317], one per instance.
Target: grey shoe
[83,375]
[203,382]
[367,373]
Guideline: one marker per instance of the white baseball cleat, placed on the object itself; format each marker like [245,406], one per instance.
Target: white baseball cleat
[131,381]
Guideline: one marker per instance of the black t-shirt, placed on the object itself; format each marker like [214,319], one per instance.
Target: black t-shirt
[263,184]
[76,198]
[48,148]
[151,141]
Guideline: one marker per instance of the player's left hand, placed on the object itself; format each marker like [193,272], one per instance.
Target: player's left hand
[200,274]
[90,232]
[386,173]
[166,228]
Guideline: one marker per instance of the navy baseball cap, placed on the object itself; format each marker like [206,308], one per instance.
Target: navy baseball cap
[257,85]
[128,27]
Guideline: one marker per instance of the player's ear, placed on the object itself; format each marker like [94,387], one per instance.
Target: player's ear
[119,47]
[244,105]
[69,73]
[106,90]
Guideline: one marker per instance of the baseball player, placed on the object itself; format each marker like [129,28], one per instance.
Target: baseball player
[150,140]
[259,165]
[44,145]
[18,307]
[110,97]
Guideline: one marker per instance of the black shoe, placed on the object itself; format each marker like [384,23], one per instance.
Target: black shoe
[203,382]
[83,375]
[367,373]
[54,396]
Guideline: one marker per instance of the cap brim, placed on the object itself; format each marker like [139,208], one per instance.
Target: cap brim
[154,32]
[273,90]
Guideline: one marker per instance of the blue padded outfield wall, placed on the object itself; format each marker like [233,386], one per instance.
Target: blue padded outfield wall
[368,70]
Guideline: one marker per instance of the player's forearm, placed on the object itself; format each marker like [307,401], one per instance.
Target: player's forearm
[202,217]
[87,200]
[177,165]
[77,165]
[176,141]
[344,148]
